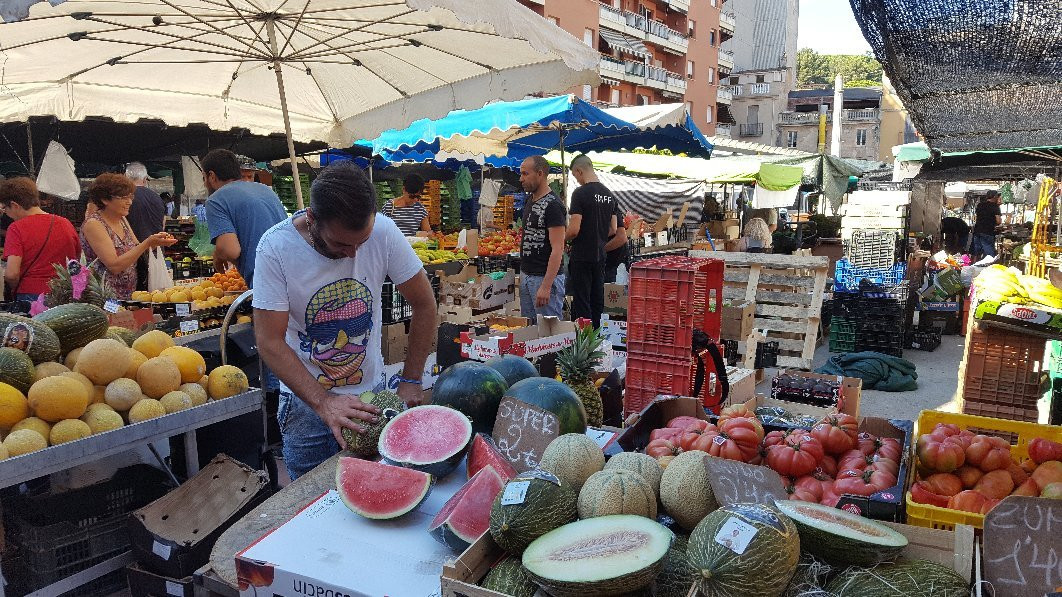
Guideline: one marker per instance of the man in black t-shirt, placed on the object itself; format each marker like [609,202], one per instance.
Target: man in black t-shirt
[592,222]
[542,244]
[147,216]
[984,230]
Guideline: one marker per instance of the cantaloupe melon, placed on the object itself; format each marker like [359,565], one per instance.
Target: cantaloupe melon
[643,464]
[616,491]
[573,457]
[147,408]
[100,420]
[68,430]
[189,362]
[56,398]
[13,406]
[151,344]
[226,381]
[196,392]
[684,490]
[176,401]
[35,424]
[158,376]
[71,358]
[123,393]
[103,361]
[99,406]
[49,369]
[24,441]
[136,359]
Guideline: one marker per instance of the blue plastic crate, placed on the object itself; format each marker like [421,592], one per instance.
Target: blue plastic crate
[846,277]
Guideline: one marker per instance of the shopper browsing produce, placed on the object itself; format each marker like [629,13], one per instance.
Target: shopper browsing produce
[592,221]
[984,231]
[318,285]
[407,211]
[542,244]
[34,242]
[147,215]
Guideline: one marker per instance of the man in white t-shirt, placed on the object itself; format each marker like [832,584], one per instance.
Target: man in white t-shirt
[317,286]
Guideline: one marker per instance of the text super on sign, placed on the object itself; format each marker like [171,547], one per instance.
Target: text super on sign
[522,432]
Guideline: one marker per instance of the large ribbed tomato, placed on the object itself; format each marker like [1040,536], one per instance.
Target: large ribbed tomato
[988,454]
[683,422]
[945,484]
[740,443]
[920,494]
[941,455]
[665,433]
[694,432]
[810,486]
[662,447]
[883,446]
[862,482]
[752,424]
[776,437]
[968,501]
[1041,450]
[836,432]
[799,455]
[736,411]
[855,459]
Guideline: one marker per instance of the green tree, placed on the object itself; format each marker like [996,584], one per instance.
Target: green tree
[862,83]
[812,68]
[821,69]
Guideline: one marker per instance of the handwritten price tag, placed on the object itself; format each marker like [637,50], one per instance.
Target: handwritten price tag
[735,482]
[182,309]
[1023,546]
[188,327]
[522,432]
[111,306]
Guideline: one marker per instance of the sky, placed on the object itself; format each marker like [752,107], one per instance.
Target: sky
[828,27]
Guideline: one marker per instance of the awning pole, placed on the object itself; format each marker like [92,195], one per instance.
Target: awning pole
[564,167]
[296,181]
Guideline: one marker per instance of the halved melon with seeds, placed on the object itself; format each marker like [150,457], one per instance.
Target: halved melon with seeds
[605,555]
[842,538]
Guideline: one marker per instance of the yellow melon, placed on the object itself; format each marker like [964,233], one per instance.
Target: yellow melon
[226,381]
[56,398]
[142,296]
[215,292]
[99,394]
[146,409]
[203,381]
[13,406]
[24,441]
[68,430]
[189,362]
[151,344]
[103,419]
[71,358]
[137,359]
[103,361]
[95,407]
[49,369]
[123,393]
[198,294]
[176,401]
[89,386]
[34,424]
[196,392]
[243,319]
[158,376]
[3,451]
[158,296]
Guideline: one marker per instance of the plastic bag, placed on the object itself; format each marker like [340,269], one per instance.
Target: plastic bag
[159,276]
[200,241]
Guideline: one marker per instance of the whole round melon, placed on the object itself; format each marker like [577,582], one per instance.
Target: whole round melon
[226,381]
[99,395]
[189,362]
[365,444]
[32,337]
[684,490]
[16,369]
[196,392]
[841,538]
[42,427]
[98,406]
[744,550]
[555,397]
[146,409]
[472,388]
[151,344]
[103,361]
[643,464]
[158,376]
[136,359]
[48,369]
[534,508]
[428,438]
[71,358]
[911,578]
[513,368]
[68,430]
[122,393]
[125,335]
[605,555]
[176,401]
[617,491]
[380,491]
[75,324]
[573,457]
[81,379]
[56,398]
[24,441]
[100,420]
[13,406]
[508,577]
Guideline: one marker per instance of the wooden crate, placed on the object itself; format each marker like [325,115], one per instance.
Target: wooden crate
[788,293]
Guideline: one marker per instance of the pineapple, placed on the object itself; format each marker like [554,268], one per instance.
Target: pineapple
[61,289]
[576,363]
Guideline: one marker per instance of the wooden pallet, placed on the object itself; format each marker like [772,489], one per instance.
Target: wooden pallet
[788,291]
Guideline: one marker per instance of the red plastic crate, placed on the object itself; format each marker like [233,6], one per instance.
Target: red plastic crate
[1000,411]
[669,297]
[649,376]
[1004,369]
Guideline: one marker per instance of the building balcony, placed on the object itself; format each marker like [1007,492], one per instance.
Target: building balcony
[723,130]
[643,74]
[726,61]
[735,90]
[754,129]
[799,118]
[760,89]
[679,5]
[676,83]
[727,22]
[723,95]
[611,66]
[870,115]
[637,26]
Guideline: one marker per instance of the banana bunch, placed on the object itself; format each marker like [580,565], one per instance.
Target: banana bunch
[1000,284]
[437,256]
[1042,291]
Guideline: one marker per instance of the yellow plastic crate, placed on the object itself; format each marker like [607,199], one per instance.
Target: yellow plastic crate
[925,515]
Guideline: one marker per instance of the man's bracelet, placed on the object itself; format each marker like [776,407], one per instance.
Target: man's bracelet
[412,381]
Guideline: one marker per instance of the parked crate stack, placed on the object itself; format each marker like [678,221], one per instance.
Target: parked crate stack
[875,210]
[450,208]
[284,187]
[1003,374]
[670,297]
[503,212]
[432,199]
[872,248]
[385,191]
[869,308]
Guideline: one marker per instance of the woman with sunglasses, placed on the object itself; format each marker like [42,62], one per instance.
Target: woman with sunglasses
[406,210]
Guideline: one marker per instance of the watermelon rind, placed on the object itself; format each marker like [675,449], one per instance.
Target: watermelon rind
[508,577]
[513,368]
[466,515]
[364,444]
[359,480]
[841,538]
[430,427]
[912,578]
[606,555]
[555,397]
[472,388]
[483,453]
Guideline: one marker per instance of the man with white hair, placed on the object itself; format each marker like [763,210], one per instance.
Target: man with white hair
[147,216]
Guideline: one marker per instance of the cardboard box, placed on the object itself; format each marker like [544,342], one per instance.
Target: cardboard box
[742,384]
[173,535]
[724,229]
[738,320]
[465,315]
[431,373]
[851,391]
[144,583]
[616,298]
[469,288]
[615,331]
[550,335]
[394,342]
[638,426]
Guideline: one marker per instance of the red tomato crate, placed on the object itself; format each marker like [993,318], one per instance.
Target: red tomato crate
[649,376]
[669,298]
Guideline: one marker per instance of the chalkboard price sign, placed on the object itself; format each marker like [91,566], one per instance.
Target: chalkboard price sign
[522,431]
[735,482]
[1023,546]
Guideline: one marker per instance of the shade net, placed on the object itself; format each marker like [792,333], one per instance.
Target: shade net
[974,74]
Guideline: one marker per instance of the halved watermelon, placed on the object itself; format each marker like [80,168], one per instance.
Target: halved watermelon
[466,515]
[483,453]
[428,438]
[380,491]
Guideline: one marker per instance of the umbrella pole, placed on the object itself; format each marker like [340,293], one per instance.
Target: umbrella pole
[271,31]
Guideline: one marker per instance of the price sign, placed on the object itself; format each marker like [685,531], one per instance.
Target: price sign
[602,437]
[735,482]
[182,309]
[111,306]
[189,326]
[1023,546]
[522,432]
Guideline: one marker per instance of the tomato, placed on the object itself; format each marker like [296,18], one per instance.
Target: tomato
[827,468]
[836,432]
[863,482]
[665,433]
[1048,473]
[662,447]
[776,437]
[1017,474]
[969,475]
[796,457]
[945,484]
[996,484]
[1041,450]
[684,422]
[921,495]
[693,432]
[740,443]
[884,464]
[809,485]
[829,498]
[943,456]
[752,424]
[736,411]
[988,455]
[988,505]
[888,447]
[1028,488]
[967,501]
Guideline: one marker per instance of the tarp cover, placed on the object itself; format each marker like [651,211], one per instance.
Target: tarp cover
[649,198]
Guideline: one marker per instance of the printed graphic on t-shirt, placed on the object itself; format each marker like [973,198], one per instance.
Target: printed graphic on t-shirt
[535,228]
[338,322]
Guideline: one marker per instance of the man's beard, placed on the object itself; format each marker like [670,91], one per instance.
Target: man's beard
[319,243]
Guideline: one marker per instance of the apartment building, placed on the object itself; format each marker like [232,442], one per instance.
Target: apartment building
[652,51]
[861,120]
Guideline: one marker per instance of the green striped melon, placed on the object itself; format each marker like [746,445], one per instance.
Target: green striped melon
[744,550]
[914,578]
[616,491]
[545,506]
[76,324]
[573,457]
[841,538]
[31,337]
[16,369]
[684,490]
[643,464]
[508,577]
[677,576]
[122,334]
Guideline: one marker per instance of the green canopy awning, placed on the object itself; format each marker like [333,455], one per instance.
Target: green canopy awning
[778,177]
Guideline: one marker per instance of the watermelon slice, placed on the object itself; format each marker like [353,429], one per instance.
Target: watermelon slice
[380,491]
[466,515]
[430,438]
[483,453]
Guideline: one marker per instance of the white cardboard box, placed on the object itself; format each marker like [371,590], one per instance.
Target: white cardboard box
[326,549]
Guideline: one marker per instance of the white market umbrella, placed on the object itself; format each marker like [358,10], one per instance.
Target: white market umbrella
[317,70]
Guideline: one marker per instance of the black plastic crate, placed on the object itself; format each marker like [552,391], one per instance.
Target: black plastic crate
[926,339]
[880,308]
[845,304]
[766,355]
[394,305]
[490,264]
[56,551]
[872,248]
[879,337]
[730,352]
[842,335]
[945,321]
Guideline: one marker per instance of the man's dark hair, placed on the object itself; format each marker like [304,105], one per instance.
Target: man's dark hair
[223,163]
[991,194]
[413,184]
[342,194]
[539,163]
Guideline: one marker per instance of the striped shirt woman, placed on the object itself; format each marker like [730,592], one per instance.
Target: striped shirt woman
[407,211]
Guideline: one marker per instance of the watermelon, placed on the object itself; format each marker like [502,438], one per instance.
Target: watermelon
[555,397]
[484,453]
[466,515]
[841,538]
[364,444]
[472,388]
[513,368]
[380,491]
[428,438]
[913,578]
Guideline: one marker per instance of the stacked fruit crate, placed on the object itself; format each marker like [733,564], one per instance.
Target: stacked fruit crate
[432,199]
[385,191]
[870,308]
[503,212]
[284,187]
[450,216]
[1003,374]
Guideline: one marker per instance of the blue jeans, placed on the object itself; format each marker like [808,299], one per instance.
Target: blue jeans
[307,440]
[529,287]
[983,245]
